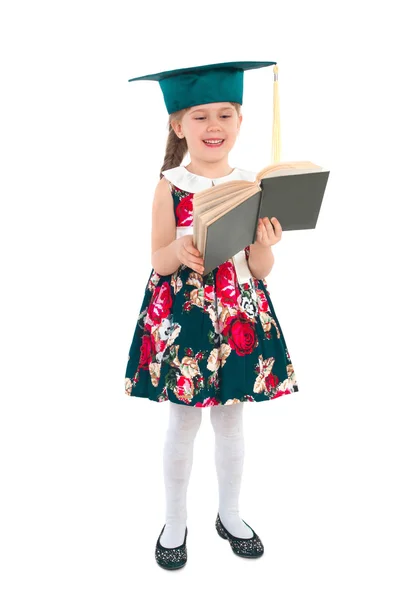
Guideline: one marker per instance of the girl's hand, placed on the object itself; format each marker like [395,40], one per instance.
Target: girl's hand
[269,232]
[188,254]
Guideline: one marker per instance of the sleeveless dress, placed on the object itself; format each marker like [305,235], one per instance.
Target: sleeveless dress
[201,341]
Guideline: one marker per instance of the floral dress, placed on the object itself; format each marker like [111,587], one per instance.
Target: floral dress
[206,340]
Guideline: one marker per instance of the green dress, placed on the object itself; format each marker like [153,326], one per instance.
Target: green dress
[201,341]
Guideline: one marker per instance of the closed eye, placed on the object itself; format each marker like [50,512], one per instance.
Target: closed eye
[201,118]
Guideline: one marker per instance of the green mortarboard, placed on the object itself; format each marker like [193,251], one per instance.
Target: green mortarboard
[221,82]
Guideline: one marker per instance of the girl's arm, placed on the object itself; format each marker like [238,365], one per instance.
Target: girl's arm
[261,260]
[164,258]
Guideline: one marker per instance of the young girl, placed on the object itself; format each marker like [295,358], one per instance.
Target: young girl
[212,341]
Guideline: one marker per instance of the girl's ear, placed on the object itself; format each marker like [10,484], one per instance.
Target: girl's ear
[176,126]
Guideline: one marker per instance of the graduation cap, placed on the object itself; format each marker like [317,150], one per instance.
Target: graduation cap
[221,82]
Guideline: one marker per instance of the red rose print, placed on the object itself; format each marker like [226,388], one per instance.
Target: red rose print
[208,402]
[271,381]
[184,211]
[145,352]
[225,284]
[262,301]
[209,293]
[241,335]
[184,388]
[161,303]
[281,393]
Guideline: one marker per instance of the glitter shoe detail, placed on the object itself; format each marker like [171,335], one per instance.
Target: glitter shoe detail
[246,547]
[171,558]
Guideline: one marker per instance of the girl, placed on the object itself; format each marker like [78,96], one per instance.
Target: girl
[212,341]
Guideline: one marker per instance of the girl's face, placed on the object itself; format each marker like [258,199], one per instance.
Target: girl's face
[205,125]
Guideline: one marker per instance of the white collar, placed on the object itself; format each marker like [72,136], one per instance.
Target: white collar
[190,182]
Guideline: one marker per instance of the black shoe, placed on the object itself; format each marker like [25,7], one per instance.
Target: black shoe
[246,547]
[171,558]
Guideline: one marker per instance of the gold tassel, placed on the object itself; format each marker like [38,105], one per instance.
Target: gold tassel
[276,129]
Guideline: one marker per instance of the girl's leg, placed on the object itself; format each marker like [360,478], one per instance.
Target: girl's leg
[227,422]
[184,422]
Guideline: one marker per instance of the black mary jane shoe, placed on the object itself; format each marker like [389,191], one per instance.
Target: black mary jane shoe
[171,558]
[245,547]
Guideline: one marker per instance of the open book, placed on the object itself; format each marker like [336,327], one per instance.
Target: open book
[225,216]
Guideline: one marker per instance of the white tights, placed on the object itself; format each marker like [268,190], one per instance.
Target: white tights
[184,423]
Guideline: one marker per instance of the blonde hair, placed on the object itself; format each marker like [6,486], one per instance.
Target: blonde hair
[176,148]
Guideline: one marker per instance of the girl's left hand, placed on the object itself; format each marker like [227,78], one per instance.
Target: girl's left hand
[269,232]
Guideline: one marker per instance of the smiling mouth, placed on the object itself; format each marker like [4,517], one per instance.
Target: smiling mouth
[213,143]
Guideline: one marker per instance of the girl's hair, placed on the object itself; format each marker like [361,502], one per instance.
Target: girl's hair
[176,148]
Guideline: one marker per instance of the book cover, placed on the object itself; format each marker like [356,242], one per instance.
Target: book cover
[293,198]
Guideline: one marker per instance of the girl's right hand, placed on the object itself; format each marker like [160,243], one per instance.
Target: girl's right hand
[188,254]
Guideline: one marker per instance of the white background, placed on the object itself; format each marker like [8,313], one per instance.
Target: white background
[81,148]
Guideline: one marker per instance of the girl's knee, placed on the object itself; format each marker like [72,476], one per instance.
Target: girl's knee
[227,419]
[185,420]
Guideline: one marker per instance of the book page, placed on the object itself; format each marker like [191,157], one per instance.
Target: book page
[217,207]
[219,199]
[209,216]
[287,168]
[221,191]
[228,201]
